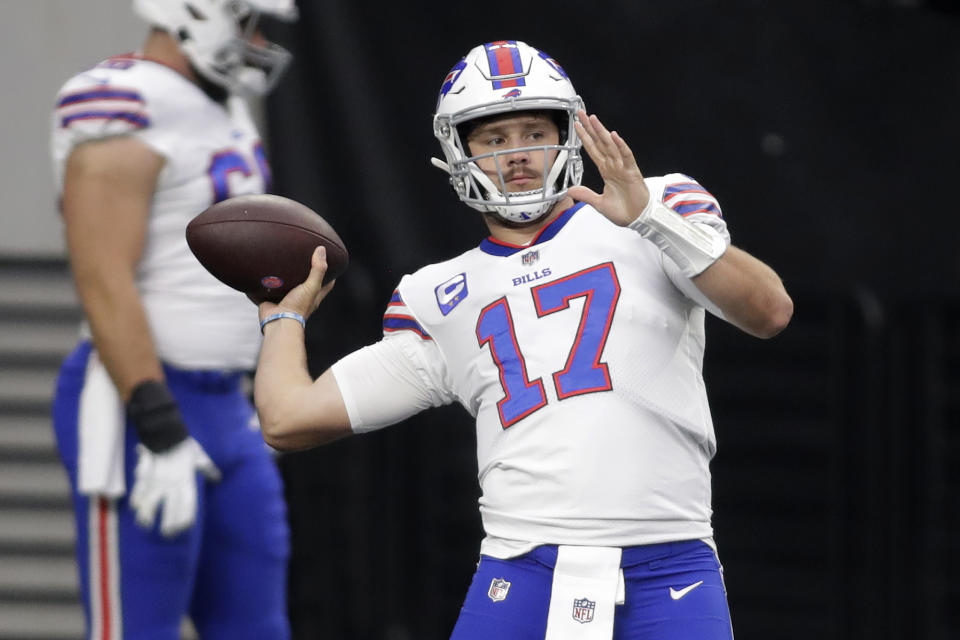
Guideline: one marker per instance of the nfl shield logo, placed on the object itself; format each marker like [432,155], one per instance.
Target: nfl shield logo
[530,257]
[498,589]
[583,610]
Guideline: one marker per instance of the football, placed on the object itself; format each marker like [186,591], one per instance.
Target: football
[261,244]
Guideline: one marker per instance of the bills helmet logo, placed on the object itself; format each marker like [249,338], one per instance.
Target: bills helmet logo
[583,610]
[512,94]
[451,78]
[498,589]
[554,64]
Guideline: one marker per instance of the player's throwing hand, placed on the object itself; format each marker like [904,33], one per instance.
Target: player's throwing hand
[625,194]
[305,297]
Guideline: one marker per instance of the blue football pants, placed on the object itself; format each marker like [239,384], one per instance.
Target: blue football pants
[659,601]
[228,571]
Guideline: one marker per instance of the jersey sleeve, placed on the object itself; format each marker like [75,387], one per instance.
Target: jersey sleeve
[100,103]
[395,378]
[691,200]
[120,96]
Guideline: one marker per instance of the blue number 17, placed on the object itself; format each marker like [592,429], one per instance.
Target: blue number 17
[584,372]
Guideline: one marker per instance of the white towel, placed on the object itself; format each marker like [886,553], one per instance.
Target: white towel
[586,586]
[101,433]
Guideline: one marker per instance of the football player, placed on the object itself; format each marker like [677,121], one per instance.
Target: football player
[574,334]
[179,505]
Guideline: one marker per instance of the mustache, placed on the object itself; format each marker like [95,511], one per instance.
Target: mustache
[519,173]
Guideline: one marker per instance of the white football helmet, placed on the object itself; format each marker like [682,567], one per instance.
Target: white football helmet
[497,78]
[216,35]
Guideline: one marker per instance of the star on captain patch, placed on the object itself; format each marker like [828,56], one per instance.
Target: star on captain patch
[498,589]
[530,257]
[583,610]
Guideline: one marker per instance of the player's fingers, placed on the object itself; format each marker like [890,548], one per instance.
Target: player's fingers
[626,153]
[590,145]
[318,263]
[179,511]
[582,123]
[592,137]
[147,509]
[207,467]
[600,145]
[603,138]
[584,194]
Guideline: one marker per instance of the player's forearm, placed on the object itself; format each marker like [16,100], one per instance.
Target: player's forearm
[295,412]
[118,322]
[749,293]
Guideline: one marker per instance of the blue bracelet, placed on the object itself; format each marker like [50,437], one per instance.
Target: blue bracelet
[283,314]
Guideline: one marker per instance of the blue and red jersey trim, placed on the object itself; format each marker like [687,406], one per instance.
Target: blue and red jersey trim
[494,247]
[117,103]
[138,119]
[690,207]
[100,93]
[398,318]
[688,198]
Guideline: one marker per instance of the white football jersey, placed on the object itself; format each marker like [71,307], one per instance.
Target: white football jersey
[580,356]
[212,152]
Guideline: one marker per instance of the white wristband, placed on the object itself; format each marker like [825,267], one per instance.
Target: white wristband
[694,247]
[282,314]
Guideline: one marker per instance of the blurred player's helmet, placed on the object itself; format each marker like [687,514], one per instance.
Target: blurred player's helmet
[497,78]
[217,37]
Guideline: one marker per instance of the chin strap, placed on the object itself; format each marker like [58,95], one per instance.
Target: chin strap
[440,164]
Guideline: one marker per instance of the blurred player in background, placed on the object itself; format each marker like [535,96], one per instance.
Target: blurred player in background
[574,334]
[179,506]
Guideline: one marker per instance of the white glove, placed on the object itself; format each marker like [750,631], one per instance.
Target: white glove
[169,479]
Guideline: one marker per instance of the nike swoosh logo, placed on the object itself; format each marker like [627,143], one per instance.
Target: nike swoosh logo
[676,595]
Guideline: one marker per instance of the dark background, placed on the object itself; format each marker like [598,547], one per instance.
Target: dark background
[828,130]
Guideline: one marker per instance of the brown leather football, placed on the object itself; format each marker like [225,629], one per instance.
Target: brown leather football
[261,244]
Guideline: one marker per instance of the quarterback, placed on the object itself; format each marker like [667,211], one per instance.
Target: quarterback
[574,334]
[179,506]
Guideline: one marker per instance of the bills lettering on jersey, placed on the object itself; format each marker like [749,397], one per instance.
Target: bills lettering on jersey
[531,277]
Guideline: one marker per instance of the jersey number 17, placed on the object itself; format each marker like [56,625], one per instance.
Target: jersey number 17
[584,372]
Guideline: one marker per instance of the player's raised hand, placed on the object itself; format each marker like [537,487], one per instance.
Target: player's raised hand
[306,296]
[625,193]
